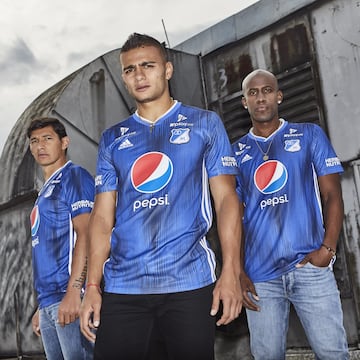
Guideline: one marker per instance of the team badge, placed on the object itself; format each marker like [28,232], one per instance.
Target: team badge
[49,191]
[292,145]
[180,136]
[151,172]
[270,176]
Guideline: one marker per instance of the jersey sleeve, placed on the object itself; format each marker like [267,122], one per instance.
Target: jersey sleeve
[238,189]
[80,191]
[235,147]
[324,157]
[106,178]
[219,159]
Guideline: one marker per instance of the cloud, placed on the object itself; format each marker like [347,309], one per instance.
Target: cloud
[17,63]
[41,42]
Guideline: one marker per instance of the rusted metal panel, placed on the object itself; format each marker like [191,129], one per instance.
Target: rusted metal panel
[290,48]
[285,50]
[256,18]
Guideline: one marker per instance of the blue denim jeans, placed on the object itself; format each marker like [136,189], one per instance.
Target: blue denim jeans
[62,343]
[314,294]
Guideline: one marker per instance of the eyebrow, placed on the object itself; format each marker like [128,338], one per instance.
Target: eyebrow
[40,136]
[144,63]
[261,87]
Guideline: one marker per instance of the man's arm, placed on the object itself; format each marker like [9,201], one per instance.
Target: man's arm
[100,228]
[229,226]
[70,304]
[333,208]
[333,214]
[247,286]
[36,323]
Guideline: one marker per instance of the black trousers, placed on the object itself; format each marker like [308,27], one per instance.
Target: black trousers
[175,326]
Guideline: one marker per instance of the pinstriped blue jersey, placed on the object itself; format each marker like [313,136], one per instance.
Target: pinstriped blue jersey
[160,172]
[67,193]
[283,216]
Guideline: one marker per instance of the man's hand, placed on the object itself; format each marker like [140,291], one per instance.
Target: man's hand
[247,287]
[36,323]
[69,307]
[320,258]
[228,291]
[90,313]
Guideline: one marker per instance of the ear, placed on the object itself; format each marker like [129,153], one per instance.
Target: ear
[280,97]
[169,69]
[243,101]
[65,142]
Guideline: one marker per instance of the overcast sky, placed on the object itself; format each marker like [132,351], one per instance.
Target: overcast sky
[42,41]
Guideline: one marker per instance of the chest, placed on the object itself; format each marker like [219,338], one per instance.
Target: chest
[159,146]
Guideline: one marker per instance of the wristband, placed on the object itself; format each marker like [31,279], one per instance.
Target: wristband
[329,249]
[96,285]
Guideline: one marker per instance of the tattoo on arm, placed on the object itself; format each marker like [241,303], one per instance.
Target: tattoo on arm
[80,280]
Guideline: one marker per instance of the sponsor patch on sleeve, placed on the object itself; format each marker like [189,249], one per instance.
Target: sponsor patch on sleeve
[82,204]
[98,180]
[334,161]
[228,161]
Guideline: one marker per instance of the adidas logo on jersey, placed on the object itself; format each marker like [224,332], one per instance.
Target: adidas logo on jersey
[246,158]
[125,144]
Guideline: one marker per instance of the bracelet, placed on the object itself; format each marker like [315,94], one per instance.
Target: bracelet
[329,249]
[96,285]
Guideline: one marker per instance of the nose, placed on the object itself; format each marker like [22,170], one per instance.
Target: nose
[260,97]
[40,144]
[139,73]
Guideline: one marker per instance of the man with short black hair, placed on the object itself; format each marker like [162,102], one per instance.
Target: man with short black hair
[153,203]
[59,222]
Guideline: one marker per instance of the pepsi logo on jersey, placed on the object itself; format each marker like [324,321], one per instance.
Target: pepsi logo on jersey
[35,223]
[270,177]
[35,220]
[150,173]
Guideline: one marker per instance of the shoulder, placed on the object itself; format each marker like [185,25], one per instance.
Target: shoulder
[79,171]
[116,130]
[240,143]
[196,111]
[305,126]
[309,132]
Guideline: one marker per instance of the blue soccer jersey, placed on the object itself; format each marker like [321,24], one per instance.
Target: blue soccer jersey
[67,193]
[282,217]
[160,172]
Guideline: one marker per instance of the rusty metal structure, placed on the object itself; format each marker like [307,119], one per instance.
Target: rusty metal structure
[313,46]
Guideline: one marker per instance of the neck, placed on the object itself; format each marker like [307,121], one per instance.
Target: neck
[154,110]
[51,169]
[265,129]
